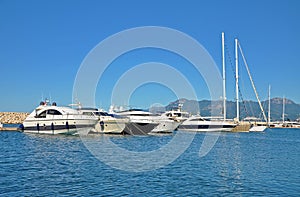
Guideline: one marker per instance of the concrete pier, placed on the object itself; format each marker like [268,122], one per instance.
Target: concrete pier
[13,117]
[9,129]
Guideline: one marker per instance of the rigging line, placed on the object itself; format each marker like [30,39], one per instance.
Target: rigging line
[256,94]
[229,57]
[234,73]
[264,106]
[244,102]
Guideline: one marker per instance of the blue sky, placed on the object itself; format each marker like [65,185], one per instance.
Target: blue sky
[43,43]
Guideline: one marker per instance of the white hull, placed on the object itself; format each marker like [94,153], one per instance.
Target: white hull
[206,130]
[156,124]
[57,120]
[200,124]
[53,132]
[56,126]
[166,126]
[258,128]
[113,126]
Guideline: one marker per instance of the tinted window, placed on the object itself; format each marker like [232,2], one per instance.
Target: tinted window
[42,115]
[53,112]
[88,113]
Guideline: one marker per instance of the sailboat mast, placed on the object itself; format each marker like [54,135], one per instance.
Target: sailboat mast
[237,80]
[269,107]
[224,76]
[283,109]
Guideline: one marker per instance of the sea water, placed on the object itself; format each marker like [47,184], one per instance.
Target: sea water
[239,164]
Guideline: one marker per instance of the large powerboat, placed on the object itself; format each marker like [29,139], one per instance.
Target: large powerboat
[166,124]
[144,122]
[176,115]
[198,123]
[52,119]
[108,123]
[139,122]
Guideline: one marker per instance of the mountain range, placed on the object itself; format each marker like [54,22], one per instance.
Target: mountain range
[247,108]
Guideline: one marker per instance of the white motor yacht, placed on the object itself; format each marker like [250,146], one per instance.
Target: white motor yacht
[52,119]
[139,122]
[143,122]
[107,124]
[198,123]
[166,124]
[176,115]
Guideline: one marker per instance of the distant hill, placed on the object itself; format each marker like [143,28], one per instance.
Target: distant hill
[247,108]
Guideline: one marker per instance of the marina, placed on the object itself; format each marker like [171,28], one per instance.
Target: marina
[49,118]
[149,98]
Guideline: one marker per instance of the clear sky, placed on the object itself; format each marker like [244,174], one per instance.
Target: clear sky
[43,43]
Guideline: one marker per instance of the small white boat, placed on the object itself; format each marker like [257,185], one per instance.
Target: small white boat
[205,124]
[52,119]
[255,128]
[257,125]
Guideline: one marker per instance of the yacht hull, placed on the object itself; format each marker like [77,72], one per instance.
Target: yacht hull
[204,128]
[136,128]
[54,127]
[166,127]
[258,128]
[110,127]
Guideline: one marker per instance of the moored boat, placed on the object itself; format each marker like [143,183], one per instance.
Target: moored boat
[176,115]
[204,124]
[257,125]
[52,119]
[107,123]
[139,122]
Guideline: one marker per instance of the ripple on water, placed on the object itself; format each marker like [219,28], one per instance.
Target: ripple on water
[244,164]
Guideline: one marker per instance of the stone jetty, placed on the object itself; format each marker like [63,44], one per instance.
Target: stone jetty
[13,117]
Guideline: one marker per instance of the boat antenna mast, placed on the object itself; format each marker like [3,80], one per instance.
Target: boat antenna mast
[252,83]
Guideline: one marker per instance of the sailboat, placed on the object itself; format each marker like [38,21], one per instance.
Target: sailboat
[247,125]
[206,124]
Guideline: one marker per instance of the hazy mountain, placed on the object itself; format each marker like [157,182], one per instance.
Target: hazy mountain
[247,108]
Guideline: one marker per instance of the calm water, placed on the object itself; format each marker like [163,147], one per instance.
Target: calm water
[243,164]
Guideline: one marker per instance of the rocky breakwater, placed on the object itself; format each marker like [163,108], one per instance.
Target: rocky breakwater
[12,117]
